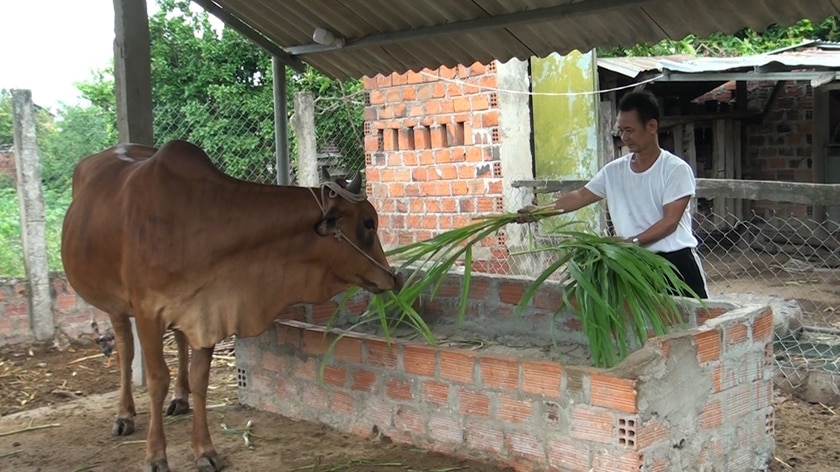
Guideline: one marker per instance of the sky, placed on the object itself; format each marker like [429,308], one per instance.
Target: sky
[50,44]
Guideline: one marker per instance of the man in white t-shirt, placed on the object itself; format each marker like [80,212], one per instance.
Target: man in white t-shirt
[648,192]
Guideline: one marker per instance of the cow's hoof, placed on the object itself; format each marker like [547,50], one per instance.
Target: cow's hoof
[123,426]
[157,466]
[178,406]
[209,462]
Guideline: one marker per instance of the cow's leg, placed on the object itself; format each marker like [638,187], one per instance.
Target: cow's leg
[206,458]
[180,403]
[124,425]
[157,377]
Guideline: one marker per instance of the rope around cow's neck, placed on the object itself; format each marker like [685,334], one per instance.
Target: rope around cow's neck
[337,190]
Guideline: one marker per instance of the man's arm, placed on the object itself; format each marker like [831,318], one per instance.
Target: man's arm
[566,203]
[575,200]
[672,213]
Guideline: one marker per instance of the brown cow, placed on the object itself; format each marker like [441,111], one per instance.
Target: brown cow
[165,237]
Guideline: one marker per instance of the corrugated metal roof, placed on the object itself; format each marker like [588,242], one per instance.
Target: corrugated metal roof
[817,55]
[812,59]
[605,23]
[635,65]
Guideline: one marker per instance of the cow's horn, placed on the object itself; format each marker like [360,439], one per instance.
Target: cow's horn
[325,175]
[355,185]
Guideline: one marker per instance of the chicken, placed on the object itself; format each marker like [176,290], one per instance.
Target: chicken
[107,341]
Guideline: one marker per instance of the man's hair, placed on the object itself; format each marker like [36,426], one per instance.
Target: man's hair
[644,103]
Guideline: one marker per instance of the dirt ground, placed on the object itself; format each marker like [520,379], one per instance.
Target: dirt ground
[74,404]
[78,404]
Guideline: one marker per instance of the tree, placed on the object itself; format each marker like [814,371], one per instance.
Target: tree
[742,43]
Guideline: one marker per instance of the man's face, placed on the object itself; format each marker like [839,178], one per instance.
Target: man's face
[637,136]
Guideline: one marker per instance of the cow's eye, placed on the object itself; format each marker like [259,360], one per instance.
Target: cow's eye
[370,224]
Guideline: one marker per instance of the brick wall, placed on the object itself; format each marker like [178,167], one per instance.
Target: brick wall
[700,398]
[71,314]
[7,167]
[432,154]
[780,147]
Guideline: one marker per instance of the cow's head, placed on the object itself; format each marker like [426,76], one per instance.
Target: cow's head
[351,226]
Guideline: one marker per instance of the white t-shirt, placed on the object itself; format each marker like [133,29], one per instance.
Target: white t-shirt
[636,200]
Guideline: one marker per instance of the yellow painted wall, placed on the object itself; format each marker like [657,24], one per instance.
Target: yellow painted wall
[566,126]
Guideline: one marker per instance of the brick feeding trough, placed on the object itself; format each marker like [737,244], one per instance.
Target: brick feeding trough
[498,390]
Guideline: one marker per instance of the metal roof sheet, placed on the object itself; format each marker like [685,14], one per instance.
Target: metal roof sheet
[815,59]
[586,24]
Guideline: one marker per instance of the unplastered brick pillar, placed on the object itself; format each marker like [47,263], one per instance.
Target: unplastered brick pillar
[432,148]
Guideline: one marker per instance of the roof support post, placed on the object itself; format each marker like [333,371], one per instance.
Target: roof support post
[133,87]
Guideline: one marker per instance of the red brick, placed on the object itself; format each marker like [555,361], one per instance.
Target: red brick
[499,373]
[650,434]
[389,139]
[414,77]
[763,326]
[612,392]
[568,456]
[447,430]
[342,401]
[377,97]
[393,95]
[705,314]
[606,460]
[525,444]
[708,345]
[315,397]
[461,104]
[419,360]
[510,292]
[409,420]
[592,425]
[16,309]
[335,376]
[438,136]
[490,119]
[736,334]
[422,138]
[273,362]
[473,403]
[399,79]
[712,416]
[513,410]
[436,393]
[480,102]
[739,401]
[65,302]
[541,378]
[399,390]
[484,437]
[323,312]
[457,366]
[363,380]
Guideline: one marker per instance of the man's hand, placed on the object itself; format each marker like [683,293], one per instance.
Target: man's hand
[526,214]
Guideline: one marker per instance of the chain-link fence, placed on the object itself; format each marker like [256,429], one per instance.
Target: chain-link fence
[788,260]
[241,139]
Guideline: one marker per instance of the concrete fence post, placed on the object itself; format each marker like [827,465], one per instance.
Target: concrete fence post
[32,218]
[307,147]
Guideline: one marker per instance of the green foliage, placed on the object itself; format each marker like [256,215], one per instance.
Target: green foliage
[217,92]
[742,43]
[6,123]
[80,131]
[617,289]
[11,248]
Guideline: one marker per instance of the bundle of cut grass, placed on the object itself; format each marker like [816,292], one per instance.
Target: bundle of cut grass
[617,289]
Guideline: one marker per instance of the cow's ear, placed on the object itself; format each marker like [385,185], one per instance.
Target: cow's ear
[327,225]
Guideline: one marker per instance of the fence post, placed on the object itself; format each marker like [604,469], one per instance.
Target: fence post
[32,218]
[307,147]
